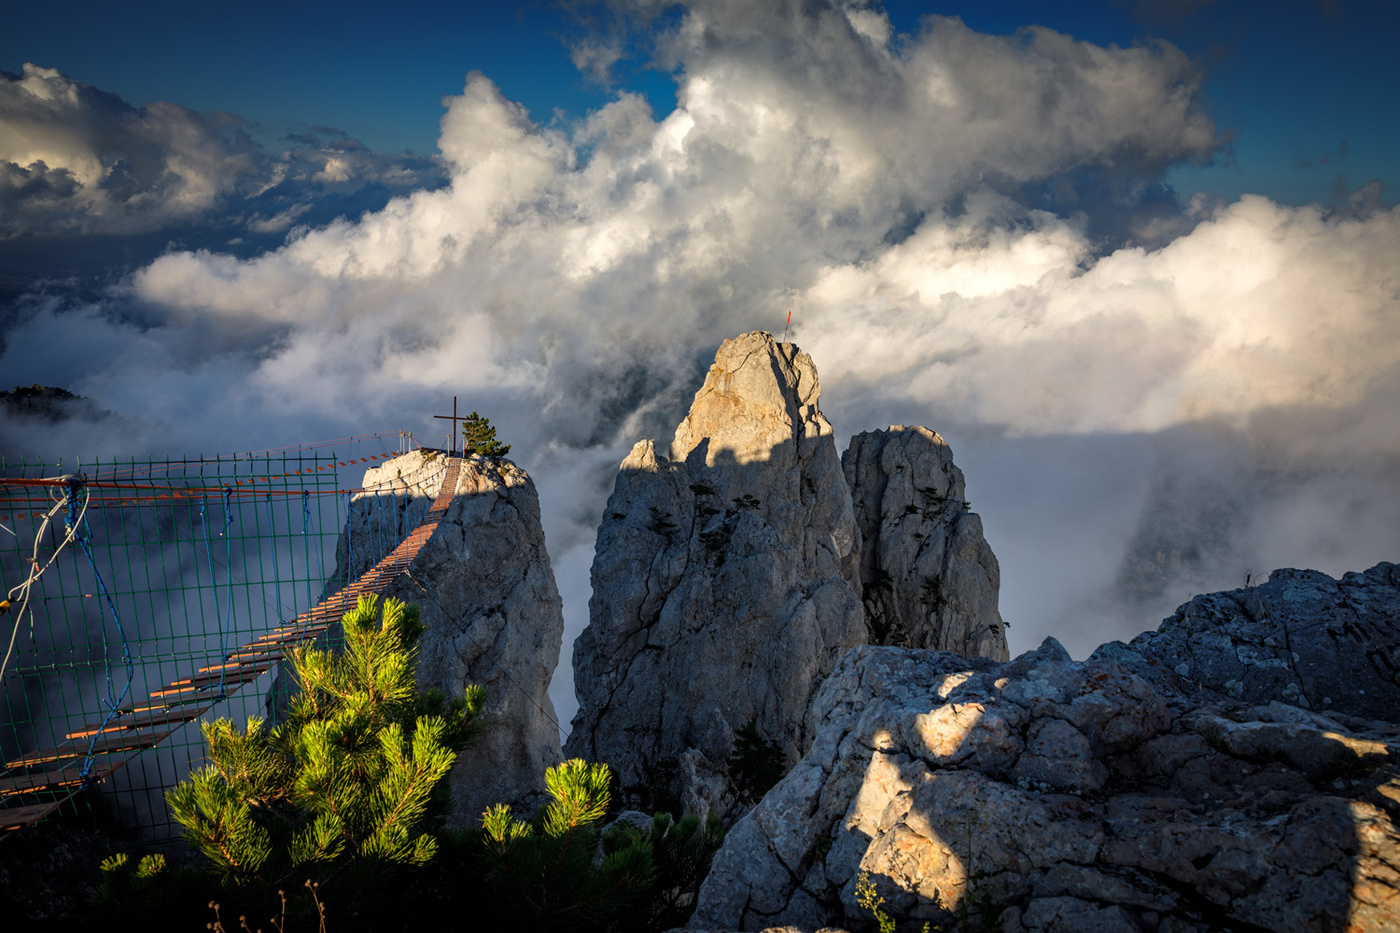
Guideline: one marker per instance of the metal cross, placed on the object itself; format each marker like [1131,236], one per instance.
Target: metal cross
[454,419]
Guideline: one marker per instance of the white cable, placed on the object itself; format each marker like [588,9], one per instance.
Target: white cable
[35,571]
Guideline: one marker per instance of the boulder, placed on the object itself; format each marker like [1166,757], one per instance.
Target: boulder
[725,587]
[928,577]
[1048,794]
[486,592]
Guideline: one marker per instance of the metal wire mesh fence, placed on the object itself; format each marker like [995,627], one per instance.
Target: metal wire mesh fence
[143,576]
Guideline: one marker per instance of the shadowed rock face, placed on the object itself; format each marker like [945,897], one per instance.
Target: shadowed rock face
[486,592]
[928,577]
[724,582]
[1328,645]
[1113,794]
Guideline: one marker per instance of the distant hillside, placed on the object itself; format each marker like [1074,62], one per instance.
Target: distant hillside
[49,403]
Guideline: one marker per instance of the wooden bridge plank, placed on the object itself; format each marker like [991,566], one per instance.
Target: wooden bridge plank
[64,777]
[20,817]
[227,675]
[238,678]
[109,744]
[242,658]
[133,720]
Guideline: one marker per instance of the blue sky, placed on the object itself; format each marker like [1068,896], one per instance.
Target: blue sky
[1000,238]
[1291,80]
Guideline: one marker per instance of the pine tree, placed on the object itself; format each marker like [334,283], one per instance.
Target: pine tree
[543,872]
[681,854]
[345,787]
[479,437]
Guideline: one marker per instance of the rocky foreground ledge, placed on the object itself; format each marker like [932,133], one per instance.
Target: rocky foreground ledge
[1237,770]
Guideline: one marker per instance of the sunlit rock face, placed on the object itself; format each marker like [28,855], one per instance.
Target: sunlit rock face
[1047,794]
[724,583]
[486,592]
[928,577]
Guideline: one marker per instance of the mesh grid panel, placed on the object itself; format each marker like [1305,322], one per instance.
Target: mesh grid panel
[174,566]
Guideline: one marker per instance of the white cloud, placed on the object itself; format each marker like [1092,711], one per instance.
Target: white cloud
[924,206]
[130,169]
[1262,306]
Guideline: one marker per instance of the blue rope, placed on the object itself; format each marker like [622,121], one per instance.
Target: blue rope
[306,540]
[228,568]
[386,531]
[320,545]
[83,537]
[272,533]
[376,528]
[214,578]
[349,538]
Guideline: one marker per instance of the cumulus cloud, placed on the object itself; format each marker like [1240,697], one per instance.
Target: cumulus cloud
[799,137]
[971,231]
[78,160]
[1262,306]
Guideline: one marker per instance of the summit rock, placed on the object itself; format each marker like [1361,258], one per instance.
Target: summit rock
[487,596]
[725,584]
[928,576]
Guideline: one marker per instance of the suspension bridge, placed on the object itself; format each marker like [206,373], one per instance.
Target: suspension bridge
[85,694]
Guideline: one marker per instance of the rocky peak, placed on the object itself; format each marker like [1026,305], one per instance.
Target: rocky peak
[928,576]
[724,582]
[755,435]
[486,591]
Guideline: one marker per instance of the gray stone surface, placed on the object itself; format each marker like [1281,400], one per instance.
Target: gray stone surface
[1303,638]
[724,582]
[487,595]
[928,577]
[1047,794]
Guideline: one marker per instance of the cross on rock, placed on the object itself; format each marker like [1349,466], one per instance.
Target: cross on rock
[452,447]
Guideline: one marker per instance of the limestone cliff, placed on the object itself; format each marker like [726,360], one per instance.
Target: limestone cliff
[1113,794]
[928,576]
[724,582]
[486,590]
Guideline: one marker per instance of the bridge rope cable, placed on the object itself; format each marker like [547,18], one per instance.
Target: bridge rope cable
[133,470]
[83,537]
[320,551]
[276,574]
[53,486]
[228,570]
[213,573]
[25,586]
[306,539]
[349,537]
[156,492]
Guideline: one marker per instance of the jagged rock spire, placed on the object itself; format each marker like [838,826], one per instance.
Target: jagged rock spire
[492,612]
[929,578]
[724,583]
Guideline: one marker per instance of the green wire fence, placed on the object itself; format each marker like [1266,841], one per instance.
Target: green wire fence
[144,572]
